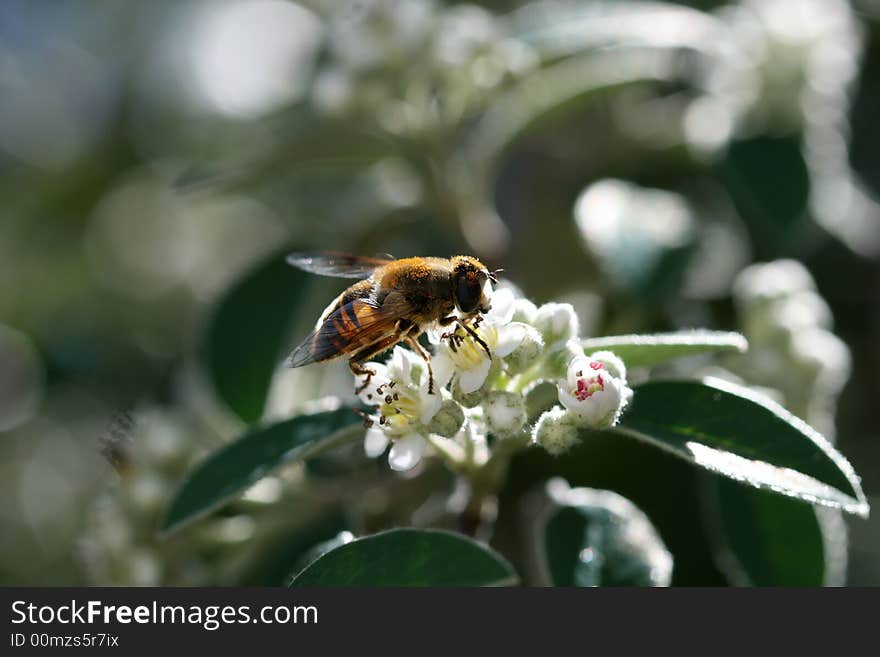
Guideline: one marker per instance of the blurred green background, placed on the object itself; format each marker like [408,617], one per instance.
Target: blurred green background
[630,158]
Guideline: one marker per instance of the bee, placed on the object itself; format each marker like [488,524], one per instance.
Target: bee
[396,301]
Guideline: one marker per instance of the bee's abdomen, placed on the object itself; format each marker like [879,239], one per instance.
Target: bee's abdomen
[360,290]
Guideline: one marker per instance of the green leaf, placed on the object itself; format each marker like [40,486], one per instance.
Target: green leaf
[730,430]
[648,350]
[245,337]
[409,557]
[235,467]
[591,537]
[762,539]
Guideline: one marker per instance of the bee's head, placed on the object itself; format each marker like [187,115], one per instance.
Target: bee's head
[471,285]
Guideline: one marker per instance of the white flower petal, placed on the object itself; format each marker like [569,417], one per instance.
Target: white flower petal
[400,364]
[375,442]
[443,368]
[509,338]
[406,453]
[568,400]
[607,400]
[503,305]
[430,404]
[435,333]
[471,380]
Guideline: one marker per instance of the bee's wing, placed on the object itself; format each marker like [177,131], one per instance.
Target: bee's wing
[341,265]
[348,329]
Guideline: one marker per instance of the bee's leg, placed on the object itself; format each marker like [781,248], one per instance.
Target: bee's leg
[359,370]
[412,339]
[463,324]
[354,363]
[449,335]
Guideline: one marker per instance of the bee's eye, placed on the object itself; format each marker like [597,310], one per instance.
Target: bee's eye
[467,293]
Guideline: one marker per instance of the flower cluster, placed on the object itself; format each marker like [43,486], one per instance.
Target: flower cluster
[792,347]
[492,391]
[414,65]
[153,451]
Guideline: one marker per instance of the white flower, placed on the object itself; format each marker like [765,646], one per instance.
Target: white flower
[591,394]
[464,356]
[403,407]
[612,363]
[369,34]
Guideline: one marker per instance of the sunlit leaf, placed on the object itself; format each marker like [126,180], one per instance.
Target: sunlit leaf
[731,431]
[245,337]
[230,470]
[588,537]
[648,350]
[409,557]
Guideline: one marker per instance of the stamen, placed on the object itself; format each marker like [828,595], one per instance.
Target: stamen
[586,387]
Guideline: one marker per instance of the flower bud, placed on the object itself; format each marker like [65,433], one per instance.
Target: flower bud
[448,420]
[466,399]
[555,431]
[524,311]
[147,491]
[802,310]
[528,351]
[557,322]
[771,280]
[505,412]
[559,356]
[821,359]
